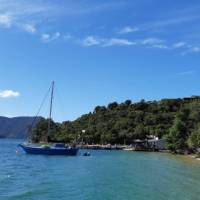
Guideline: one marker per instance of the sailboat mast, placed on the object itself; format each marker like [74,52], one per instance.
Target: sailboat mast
[50,112]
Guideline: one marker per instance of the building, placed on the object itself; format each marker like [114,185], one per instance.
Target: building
[157,144]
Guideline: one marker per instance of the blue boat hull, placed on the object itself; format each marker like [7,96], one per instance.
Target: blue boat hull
[37,150]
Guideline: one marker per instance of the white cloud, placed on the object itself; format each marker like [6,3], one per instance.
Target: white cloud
[128,29]
[105,42]
[84,8]
[45,36]
[55,35]
[195,49]
[9,93]
[191,49]
[155,43]
[151,41]
[29,28]
[50,37]
[118,42]
[160,46]
[179,20]
[5,20]
[23,8]
[91,41]
[175,20]
[23,14]
[190,72]
[179,45]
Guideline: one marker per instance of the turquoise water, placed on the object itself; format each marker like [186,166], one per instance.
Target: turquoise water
[103,176]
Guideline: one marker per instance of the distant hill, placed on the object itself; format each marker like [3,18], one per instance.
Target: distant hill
[16,127]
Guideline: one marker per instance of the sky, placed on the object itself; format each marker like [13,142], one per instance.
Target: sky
[97,52]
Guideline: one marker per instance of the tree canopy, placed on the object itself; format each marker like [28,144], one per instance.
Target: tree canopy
[178,120]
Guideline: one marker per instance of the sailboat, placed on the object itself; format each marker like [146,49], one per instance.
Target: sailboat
[50,149]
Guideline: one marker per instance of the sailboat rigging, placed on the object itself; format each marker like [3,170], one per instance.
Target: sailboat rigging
[50,111]
[50,149]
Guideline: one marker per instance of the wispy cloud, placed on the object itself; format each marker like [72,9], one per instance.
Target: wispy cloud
[128,29]
[23,14]
[107,42]
[29,28]
[160,46]
[191,49]
[5,20]
[195,49]
[172,20]
[176,20]
[83,8]
[46,37]
[22,8]
[186,73]
[155,43]
[91,41]
[30,16]
[179,45]
[118,42]
[9,93]
[151,41]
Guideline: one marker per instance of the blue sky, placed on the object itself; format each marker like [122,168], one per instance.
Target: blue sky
[97,52]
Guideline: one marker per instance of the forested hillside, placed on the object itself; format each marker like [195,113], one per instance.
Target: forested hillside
[177,120]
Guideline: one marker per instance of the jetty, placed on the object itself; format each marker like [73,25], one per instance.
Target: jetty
[150,143]
[101,147]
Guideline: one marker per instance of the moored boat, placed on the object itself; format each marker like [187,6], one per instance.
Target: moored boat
[129,149]
[54,149]
[49,149]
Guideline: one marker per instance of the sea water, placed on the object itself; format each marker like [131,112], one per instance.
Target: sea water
[104,175]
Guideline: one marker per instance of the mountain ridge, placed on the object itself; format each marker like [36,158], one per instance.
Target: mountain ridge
[15,127]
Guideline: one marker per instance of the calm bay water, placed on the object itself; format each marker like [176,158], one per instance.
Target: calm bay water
[105,175]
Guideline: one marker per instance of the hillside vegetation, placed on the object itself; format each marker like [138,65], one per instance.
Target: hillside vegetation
[177,120]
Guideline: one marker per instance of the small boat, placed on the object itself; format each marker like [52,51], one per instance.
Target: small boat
[87,154]
[49,149]
[129,148]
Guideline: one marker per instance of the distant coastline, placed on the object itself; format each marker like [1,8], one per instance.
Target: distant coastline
[16,127]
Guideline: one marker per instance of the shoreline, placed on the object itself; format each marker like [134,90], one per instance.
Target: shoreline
[123,148]
[130,149]
[193,156]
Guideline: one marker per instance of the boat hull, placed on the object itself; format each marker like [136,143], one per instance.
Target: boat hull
[49,151]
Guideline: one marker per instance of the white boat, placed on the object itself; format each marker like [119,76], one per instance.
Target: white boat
[129,149]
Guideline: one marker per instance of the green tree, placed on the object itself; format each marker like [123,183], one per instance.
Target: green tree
[194,139]
[175,119]
[177,136]
[113,105]
[128,102]
[140,132]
